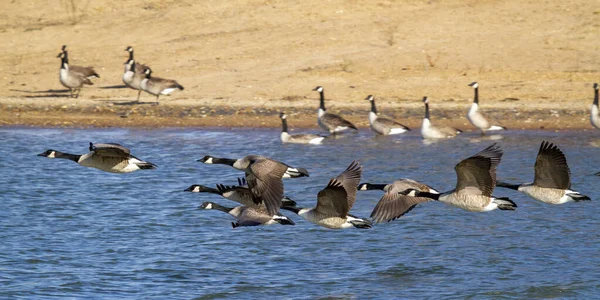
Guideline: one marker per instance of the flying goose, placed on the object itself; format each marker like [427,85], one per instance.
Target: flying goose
[158,86]
[331,122]
[240,193]
[393,204]
[134,73]
[335,201]
[476,117]
[595,116]
[291,172]
[476,179]
[249,216]
[263,176]
[74,77]
[428,131]
[302,138]
[108,157]
[552,180]
[381,125]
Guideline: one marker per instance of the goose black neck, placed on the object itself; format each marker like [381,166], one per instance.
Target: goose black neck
[210,190]
[507,185]
[223,161]
[132,69]
[426,110]
[373,107]
[131,54]
[427,195]
[322,95]
[284,127]
[221,208]
[595,97]
[375,186]
[476,98]
[293,209]
[68,156]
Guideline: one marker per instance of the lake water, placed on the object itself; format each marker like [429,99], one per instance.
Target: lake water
[72,232]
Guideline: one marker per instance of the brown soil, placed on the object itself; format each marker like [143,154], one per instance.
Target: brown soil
[241,62]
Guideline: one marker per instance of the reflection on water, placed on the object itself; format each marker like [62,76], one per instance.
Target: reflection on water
[70,231]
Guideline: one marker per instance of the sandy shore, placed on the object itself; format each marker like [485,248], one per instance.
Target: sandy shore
[241,62]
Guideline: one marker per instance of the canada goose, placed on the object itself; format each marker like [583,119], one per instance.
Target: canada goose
[335,201]
[552,180]
[134,73]
[476,179]
[263,176]
[392,204]
[88,72]
[381,125]
[240,193]
[109,157]
[595,116]
[249,216]
[74,77]
[476,117]
[291,172]
[428,131]
[158,86]
[302,138]
[331,122]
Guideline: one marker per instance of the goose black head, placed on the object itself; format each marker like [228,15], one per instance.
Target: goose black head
[129,49]
[595,86]
[318,89]
[370,98]
[206,205]
[48,153]
[206,159]
[64,48]
[282,115]
[474,84]
[196,188]
[425,100]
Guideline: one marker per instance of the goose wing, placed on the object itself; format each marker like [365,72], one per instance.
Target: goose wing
[476,175]
[165,83]
[87,72]
[333,121]
[449,131]
[110,150]
[390,123]
[264,180]
[551,169]
[394,205]
[239,194]
[338,197]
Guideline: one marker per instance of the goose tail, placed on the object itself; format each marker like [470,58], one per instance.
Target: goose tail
[283,220]
[505,203]
[496,127]
[146,166]
[286,201]
[578,197]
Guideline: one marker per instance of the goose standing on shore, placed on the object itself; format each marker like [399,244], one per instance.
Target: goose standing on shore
[429,131]
[249,216]
[302,138]
[476,179]
[393,204]
[477,117]
[109,157]
[381,125]
[134,73]
[552,180]
[158,86]
[335,201]
[595,115]
[74,77]
[331,122]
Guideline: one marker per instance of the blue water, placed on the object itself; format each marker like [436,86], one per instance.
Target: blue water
[72,232]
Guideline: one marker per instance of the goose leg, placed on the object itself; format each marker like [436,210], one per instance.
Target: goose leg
[157,99]
[139,93]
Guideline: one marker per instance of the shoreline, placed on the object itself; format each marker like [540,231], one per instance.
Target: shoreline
[223,113]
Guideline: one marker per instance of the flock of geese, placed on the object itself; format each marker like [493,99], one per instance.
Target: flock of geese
[139,77]
[260,193]
[136,76]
